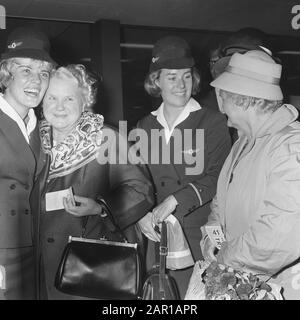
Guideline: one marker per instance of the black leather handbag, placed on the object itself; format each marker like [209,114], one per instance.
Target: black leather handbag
[100,269]
[159,285]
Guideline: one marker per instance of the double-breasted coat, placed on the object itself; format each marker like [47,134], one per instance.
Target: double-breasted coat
[20,164]
[193,192]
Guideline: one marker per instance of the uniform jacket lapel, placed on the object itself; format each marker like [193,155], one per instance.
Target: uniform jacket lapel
[17,141]
[35,145]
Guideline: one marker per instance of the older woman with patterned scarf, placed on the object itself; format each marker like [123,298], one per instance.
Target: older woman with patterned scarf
[92,159]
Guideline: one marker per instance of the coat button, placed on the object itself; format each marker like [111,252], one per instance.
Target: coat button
[26,211]
[13,212]
[12,186]
[50,240]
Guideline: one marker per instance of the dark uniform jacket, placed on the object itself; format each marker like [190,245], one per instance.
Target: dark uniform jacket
[192,192]
[20,164]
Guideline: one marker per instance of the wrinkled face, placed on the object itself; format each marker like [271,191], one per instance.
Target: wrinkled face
[63,103]
[228,106]
[28,83]
[176,86]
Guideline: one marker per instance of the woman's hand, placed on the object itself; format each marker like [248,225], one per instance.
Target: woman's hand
[147,227]
[164,209]
[208,249]
[86,207]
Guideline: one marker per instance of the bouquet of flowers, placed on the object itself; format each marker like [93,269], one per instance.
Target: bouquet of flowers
[213,281]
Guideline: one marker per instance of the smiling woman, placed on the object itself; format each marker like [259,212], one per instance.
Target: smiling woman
[74,137]
[24,78]
[184,194]
[175,86]
[31,79]
[63,103]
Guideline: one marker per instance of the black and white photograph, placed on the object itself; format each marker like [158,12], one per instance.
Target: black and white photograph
[149,153]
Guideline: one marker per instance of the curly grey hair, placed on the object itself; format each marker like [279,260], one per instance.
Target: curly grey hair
[85,81]
[267,106]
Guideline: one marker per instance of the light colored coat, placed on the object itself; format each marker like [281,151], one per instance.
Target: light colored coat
[258,198]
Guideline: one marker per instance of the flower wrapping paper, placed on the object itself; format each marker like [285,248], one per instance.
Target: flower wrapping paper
[213,281]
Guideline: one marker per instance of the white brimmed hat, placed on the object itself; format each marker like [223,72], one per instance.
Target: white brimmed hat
[253,74]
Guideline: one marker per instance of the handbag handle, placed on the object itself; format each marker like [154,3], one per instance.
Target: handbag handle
[108,220]
[163,252]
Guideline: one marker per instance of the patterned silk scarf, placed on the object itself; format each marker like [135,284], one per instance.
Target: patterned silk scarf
[77,149]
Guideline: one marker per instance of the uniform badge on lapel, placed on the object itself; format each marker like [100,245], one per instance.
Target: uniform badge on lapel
[194,161]
[191,152]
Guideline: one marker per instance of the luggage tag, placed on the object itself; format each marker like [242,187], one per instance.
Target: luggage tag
[54,200]
[215,235]
[2,278]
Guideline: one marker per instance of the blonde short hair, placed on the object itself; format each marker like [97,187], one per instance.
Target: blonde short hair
[154,90]
[6,69]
